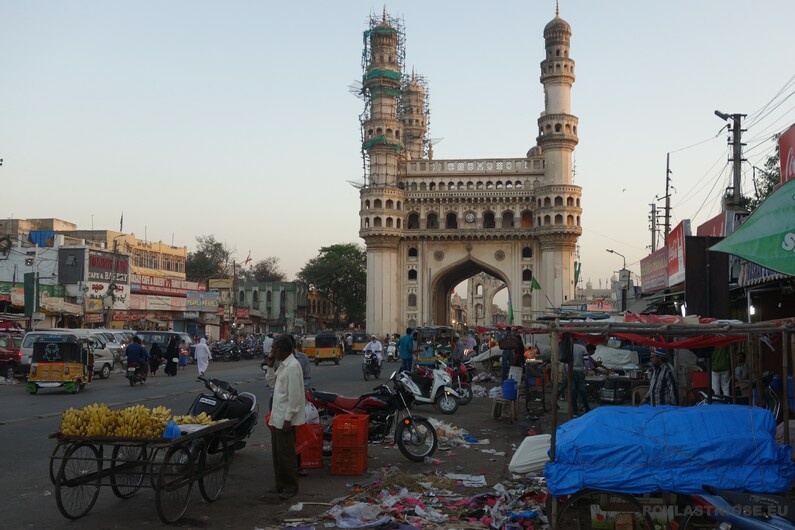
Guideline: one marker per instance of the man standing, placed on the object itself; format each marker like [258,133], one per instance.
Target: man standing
[663,389]
[267,345]
[287,411]
[406,350]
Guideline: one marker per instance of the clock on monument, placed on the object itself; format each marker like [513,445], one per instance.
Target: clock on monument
[469,217]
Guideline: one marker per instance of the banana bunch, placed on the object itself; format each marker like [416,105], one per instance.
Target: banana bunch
[201,419]
[91,420]
[99,420]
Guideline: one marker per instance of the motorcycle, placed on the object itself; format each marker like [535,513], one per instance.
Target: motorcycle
[370,365]
[460,376]
[432,386]
[136,372]
[730,509]
[225,402]
[387,408]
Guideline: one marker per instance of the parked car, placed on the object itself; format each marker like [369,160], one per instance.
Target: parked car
[11,365]
[104,360]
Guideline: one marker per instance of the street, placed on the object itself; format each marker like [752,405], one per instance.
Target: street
[27,420]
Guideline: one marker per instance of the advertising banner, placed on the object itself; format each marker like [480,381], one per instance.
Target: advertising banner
[201,301]
[676,252]
[141,283]
[719,226]
[654,271]
[100,267]
[767,237]
[786,150]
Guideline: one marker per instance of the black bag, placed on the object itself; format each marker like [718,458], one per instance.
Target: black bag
[507,342]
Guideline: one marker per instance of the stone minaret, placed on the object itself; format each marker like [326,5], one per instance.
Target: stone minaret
[558,208]
[414,117]
[381,199]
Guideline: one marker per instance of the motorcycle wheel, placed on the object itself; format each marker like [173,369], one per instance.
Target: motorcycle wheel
[132,381]
[446,404]
[465,391]
[416,438]
[364,371]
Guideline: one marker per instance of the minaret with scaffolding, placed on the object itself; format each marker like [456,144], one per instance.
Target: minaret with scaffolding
[413,113]
[382,149]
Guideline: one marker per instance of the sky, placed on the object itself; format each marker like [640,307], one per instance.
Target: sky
[235,119]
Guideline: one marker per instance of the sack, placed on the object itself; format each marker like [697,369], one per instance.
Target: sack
[312,415]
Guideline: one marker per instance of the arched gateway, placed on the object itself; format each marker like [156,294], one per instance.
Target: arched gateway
[430,224]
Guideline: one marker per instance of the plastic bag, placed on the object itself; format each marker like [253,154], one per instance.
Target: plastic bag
[312,415]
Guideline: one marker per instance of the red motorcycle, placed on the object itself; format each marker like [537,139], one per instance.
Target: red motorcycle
[387,408]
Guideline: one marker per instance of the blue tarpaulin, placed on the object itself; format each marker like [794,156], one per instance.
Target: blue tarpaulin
[672,449]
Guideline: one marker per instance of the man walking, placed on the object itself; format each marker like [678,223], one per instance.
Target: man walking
[406,350]
[663,389]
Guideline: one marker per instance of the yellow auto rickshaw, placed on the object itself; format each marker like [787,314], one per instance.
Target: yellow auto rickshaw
[308,346]
[61,360]
[360,340]
[328,347]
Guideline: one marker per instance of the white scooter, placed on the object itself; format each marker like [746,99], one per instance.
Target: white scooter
[392,352]
[432,386]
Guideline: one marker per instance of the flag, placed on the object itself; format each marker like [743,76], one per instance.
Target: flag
[248,259]
[534,284]
[121,223]
[510,310]
[767,237]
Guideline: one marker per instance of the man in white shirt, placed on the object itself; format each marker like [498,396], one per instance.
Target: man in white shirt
[287,412]
[376,347]
[267,345]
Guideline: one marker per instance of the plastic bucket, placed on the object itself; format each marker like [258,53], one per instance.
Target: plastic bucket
[699,380]
[509,389]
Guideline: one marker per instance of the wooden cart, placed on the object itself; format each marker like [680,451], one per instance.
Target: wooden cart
[80,465]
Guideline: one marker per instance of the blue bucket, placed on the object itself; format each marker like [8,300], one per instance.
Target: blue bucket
[509,389]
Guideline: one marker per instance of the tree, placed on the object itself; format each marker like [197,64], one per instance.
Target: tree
[211,259]
[267,270]
[339,275]
[769,179]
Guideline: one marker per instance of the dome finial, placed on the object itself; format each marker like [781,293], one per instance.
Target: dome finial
[384,15]
[557,8]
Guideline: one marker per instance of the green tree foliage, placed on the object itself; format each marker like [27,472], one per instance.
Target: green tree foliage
[767,179]
[266,270]
[211,259]
[339,274]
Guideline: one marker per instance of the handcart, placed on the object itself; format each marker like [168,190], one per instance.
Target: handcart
[80,465]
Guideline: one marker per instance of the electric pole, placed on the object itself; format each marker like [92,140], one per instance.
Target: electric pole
[667,197]
[734,202]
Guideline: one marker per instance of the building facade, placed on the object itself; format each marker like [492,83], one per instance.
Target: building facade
[430,224]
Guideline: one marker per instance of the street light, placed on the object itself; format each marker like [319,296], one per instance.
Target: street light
[617,254]
[624,282]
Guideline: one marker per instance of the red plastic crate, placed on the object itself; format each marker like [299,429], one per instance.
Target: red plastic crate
[349,431]
[348,461]
[312,456]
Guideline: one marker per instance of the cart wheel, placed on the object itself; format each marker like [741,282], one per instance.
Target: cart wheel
[56,459]
[78,480]
[127,466]
[174,484]
[586,505]
[155,462]
[213,468]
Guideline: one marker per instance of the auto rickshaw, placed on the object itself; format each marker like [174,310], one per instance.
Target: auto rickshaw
[308,346]
[61,360]
[328,347]
[360,340]
[434,344]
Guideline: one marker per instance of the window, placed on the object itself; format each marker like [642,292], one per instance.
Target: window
[413,252]
[413,222]
[507,220]
[451,220]
[432,221]
[527,252]
[412,300]
[488,220]
[412,275]
[527,275]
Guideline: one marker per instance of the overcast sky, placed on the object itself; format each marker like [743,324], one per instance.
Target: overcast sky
[234,119]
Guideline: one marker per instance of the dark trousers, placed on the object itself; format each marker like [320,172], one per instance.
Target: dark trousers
[405,364]
[578,389]
[505,363]
[285,468]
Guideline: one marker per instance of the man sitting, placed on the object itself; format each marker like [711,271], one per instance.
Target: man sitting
[137,354]
[375,346]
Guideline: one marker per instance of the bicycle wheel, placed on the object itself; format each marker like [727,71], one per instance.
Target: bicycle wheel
[698,522]
[213,468]
[611,510]
[127,466]
[174,484]
[78,480]
[155,462]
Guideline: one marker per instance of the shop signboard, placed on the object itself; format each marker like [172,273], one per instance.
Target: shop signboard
[100,267]
[676,252]
[654,271]
[786,149]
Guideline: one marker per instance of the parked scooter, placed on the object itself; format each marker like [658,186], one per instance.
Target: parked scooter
[136,372]
[389,413]
[432,386]
[370,365]
[225,402]
[730,509]
[460,377]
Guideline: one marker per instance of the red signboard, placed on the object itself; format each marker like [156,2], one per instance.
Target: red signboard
[242,312]
[676,252]
[141,283]
[786,150]
[719,226]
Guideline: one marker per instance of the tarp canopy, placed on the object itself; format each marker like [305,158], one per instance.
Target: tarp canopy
[670,449]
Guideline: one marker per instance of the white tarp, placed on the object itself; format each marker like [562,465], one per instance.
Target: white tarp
[531,455]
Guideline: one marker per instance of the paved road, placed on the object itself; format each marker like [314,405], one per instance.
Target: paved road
[26,421]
